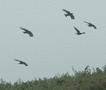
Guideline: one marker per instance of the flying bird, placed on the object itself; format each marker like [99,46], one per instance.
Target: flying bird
[21,62]
[26,31]
[68,13]
[78,32]
[90,25]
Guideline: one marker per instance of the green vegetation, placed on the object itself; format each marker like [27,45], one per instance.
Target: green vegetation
[86,79]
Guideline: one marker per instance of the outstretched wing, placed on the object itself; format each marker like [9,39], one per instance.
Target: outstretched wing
[17,60]
[21,62]
[27,31]
[24,29]
[66,11]
[77,30]
[91,25]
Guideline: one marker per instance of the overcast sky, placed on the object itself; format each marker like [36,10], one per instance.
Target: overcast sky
[55,47]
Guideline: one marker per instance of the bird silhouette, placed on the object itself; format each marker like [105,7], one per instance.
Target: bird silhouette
[21,62]
[90,25]
[78,32]
[68,13]
[26,31]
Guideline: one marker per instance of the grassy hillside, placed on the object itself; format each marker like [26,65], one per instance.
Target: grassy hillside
[81,80]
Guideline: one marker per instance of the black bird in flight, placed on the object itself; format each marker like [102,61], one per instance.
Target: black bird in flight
[68,13]
[26,31]
[90,25]
[78,32]
[21,62]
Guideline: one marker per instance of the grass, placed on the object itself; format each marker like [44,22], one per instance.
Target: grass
[86,79]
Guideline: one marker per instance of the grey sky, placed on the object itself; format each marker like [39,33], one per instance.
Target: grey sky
[55,47]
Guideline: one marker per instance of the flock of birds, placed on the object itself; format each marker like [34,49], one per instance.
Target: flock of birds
[67,13]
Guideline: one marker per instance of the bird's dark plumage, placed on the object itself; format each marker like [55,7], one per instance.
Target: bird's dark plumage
[78,32]
[68,13]
[21,62]
[90,25]
[27,31]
